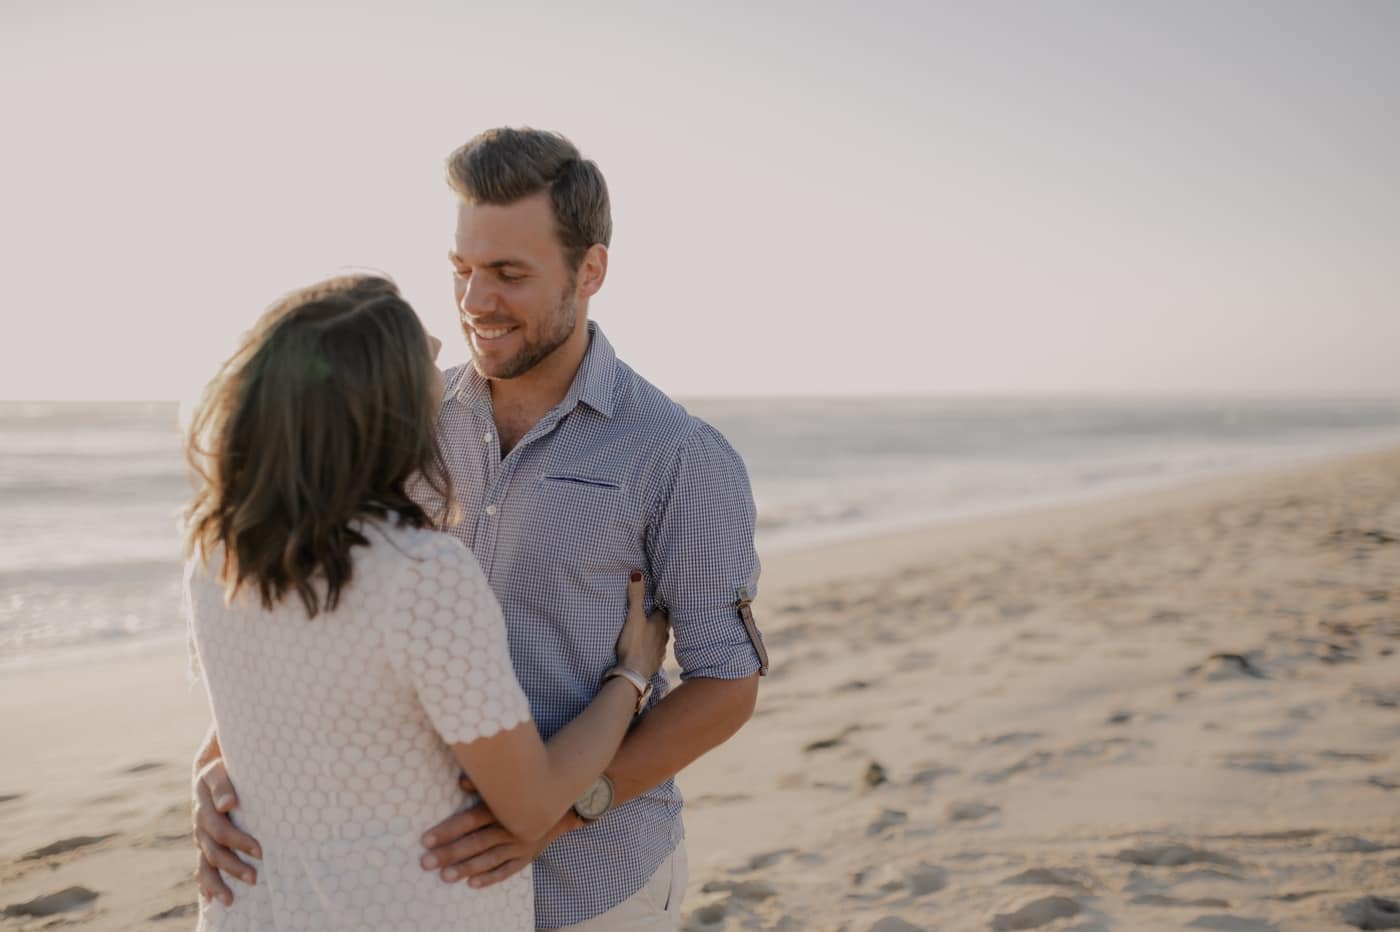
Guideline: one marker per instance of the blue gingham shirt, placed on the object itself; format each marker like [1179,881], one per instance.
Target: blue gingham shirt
[615,477]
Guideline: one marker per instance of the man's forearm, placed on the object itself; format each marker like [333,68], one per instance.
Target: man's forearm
[698,716]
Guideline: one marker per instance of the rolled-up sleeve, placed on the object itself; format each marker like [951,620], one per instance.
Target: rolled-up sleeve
[701,551]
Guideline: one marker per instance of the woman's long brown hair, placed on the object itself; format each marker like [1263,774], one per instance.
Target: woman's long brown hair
[323,416]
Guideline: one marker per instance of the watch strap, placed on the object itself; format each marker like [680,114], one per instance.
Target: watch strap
[641,683]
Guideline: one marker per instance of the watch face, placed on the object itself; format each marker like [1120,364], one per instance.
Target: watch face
[596,800]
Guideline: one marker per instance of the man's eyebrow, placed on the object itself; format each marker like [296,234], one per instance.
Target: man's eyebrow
[497,264]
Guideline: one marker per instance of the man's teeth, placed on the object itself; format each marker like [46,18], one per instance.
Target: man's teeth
[493,333]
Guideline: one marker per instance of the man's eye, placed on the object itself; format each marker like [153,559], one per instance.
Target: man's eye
[461,273]
[507,277]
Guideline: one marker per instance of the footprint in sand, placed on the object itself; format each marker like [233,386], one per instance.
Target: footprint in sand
[1029,762]
[1228,666]
[1350,844]
[765,860]
[10,797]
[752,891]
[1365,757]
[1102,747]
[709,916]
[1037,913]
[1161,899]
[921,880]
[145,766]
[1055,877]
[1174,856]
[1297,896]
[1287,834]
[65,845]
[1140,882]
[834,741]
[1227,923]
[930,775]
[1013,737]
[1380,698]
[1372,912]
[52,904]
[887,819]
[169,841]
[184,910]
[1265,762]
[925,879]
[970,811]
[894,924]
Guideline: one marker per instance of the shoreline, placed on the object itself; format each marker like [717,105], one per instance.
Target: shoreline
[837,549]
[842,559]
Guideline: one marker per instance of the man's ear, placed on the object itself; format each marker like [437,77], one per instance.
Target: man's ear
[592,270]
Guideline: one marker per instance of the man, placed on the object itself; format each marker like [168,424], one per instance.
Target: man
[570,470]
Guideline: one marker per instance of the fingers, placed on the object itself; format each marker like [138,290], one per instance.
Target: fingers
[508,869]
[220,830]
[215,777]
[211,883]
[453,828]
[465,782]
[636,594]
[451,857]
[224,860]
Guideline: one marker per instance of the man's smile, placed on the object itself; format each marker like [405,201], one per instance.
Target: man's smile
[485,336]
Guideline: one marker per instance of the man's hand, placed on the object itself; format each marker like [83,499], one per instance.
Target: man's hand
[217,837]
[474,846]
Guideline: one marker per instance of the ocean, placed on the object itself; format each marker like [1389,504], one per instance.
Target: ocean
[90,492]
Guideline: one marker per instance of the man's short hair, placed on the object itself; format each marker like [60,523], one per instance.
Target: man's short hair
[504,165]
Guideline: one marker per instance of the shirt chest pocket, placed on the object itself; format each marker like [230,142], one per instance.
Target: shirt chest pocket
[585,520]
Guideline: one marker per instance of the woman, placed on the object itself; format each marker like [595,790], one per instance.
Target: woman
[355,659]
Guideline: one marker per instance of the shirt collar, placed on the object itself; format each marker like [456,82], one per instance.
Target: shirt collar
[592,385]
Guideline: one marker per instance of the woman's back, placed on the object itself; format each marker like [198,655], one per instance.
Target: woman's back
[336,730]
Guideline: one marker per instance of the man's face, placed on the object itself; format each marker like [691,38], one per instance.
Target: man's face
[515,293]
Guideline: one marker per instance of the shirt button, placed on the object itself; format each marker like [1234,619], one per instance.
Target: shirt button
[491,510]
[485,438]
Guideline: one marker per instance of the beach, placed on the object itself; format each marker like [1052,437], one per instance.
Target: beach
[1172,709]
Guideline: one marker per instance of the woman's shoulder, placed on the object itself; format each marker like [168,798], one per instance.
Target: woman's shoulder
[422,549]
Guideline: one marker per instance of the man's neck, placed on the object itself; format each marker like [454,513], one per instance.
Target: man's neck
[519,403]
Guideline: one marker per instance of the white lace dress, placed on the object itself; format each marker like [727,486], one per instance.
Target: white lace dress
[335,731]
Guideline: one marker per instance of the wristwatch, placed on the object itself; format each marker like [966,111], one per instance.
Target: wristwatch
[636,679]
[596,800]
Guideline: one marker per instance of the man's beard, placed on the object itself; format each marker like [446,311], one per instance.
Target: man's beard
[533,353]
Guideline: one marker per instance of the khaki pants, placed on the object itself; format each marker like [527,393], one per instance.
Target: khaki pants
[654,908]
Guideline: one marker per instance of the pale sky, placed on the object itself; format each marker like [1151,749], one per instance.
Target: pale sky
[809,198]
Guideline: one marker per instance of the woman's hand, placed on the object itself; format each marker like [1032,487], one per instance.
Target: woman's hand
[642,644]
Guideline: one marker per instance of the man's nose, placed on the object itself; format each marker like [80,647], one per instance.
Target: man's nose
[475,296]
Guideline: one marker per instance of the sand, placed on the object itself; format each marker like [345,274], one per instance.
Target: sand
[1178,710]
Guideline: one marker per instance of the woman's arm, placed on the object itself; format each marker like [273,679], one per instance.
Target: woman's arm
[529,783]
